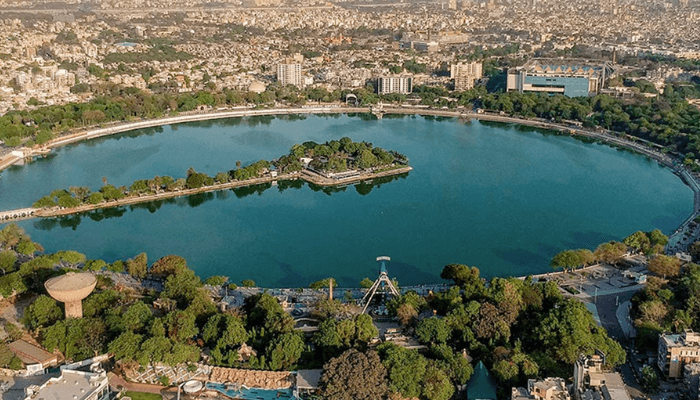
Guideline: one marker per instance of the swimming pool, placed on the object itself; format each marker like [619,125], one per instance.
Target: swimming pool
[252,394]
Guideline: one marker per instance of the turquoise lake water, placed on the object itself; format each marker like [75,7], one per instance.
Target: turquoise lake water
[499,197]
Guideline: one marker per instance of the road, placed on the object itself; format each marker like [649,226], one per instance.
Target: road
[607,310]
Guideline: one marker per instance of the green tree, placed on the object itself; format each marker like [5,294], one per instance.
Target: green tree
[95,265]
[181,326]
[138,266]
[44,311]
[570,259]
[68,201]
[183,287]
[569,330]
[405,369]
[11,235]
[610,253]
[468,278]
[168,265]
[354,376]
[323,283]
[182,353]
[638,241]
[216,280]
[650,381]
[44,202]
[248,283]
[26,247]
[436,384]
[365,330]
[8,358]
[433,330]
[366,159]
[154,350]
[506,371]
[78,338]
[284,351]
[665,266]
[454,365]
[137,317]
[366,283]
[224,331]
[126,346]
[8,259]
[95,198]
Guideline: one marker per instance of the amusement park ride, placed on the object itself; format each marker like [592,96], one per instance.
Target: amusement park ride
[382,285]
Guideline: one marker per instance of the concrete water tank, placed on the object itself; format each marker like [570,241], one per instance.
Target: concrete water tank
[71,289]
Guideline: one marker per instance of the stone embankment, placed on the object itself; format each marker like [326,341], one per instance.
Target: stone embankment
[305,175]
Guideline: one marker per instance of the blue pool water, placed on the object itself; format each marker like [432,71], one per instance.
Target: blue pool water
[253,394]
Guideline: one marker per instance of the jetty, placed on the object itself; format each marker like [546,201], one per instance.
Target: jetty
[17,215]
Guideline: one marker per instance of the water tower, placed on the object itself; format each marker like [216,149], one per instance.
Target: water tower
[71,289]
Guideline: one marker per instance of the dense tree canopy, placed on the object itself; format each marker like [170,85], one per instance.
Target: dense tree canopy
[354,376]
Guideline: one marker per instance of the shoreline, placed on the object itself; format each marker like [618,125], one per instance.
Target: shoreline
[676,242]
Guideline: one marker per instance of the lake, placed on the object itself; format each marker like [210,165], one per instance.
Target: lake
[503,198]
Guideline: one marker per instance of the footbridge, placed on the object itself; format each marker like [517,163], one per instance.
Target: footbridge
[16,215]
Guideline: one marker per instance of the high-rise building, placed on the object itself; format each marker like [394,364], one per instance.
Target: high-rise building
[394,84]
[290,74]
[464,74]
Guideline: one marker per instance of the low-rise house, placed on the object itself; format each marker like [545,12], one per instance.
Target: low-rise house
[676,350]
[35,358]
[592,381]
[546,389]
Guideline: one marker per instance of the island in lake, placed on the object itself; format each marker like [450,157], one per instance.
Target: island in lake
[333,163]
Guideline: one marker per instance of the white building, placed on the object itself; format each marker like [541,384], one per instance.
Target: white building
[394,84]
[75,385]
[290,74]
[465,74]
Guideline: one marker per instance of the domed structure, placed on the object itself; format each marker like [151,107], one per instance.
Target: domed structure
[257,87]
[71,289]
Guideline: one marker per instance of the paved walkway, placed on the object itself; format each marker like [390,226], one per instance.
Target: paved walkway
[623,318]
[115,381]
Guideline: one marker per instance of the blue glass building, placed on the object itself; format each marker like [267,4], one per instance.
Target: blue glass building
[570,78]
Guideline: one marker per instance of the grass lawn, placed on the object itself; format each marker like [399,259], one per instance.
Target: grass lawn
[143,396]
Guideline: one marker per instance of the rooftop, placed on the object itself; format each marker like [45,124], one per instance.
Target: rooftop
[481,386]
[30,354]
[685,339]
[308,378]
[71,281]
[75,385]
